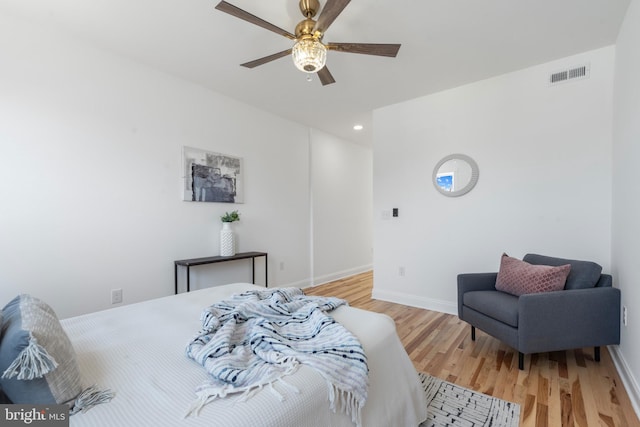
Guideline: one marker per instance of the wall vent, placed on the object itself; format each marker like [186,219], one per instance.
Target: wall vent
[575,73]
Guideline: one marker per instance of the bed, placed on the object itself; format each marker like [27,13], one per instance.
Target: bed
[138,352]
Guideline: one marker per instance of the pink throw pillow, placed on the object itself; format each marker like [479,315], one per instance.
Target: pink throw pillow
[519,277]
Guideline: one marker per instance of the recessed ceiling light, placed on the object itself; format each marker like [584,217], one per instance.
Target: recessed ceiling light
[358,127]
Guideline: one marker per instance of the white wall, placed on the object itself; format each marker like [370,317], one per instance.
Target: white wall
[342,193]
[90,177]
[626,194]
[544,155]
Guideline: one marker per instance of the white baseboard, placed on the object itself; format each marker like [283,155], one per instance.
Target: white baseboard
[319,280]
[299,284]
[416,301]
[630,383]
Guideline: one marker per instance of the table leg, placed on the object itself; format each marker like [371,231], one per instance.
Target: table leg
[188,277]
[175,273]
[253,270]
[266,275]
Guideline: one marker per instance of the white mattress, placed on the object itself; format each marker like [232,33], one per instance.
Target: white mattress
[138,352]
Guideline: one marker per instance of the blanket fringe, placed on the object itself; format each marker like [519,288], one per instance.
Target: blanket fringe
[207,394]
[89,398]
[276,393]
[291,387]
[32,362]
[249,393]
[346,402]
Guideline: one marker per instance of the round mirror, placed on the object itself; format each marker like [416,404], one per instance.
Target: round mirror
[455,175]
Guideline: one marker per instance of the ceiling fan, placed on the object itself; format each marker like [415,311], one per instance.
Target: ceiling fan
[309,53]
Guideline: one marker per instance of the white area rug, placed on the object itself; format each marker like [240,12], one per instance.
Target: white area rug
[452,405]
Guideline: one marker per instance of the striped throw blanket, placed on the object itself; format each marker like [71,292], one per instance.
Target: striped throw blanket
[255,338]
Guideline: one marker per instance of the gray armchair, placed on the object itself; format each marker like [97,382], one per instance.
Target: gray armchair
[585,314]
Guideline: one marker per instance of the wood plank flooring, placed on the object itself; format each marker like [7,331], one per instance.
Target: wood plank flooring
[555,389]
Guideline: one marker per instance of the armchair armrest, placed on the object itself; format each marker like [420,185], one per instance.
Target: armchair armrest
[468,282]
[552,321]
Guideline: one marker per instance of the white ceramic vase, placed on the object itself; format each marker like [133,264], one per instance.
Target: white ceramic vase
[227,240]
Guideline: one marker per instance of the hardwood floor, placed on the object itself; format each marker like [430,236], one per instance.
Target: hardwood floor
[555,389]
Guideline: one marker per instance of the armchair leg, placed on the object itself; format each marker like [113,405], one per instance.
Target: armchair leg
[473,333]
[596,353]
[520,361]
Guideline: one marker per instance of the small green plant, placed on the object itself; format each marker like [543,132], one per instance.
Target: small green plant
[230,217]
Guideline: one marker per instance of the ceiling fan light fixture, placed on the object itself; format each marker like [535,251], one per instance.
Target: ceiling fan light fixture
[309,55]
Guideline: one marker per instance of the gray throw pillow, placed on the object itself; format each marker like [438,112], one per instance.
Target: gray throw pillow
[37,360]
[583,274]
[3,399]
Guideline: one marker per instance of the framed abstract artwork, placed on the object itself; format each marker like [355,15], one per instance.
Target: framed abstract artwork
[212,177]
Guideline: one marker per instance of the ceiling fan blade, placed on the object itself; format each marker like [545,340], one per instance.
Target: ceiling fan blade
[255,63]
[329,13]
[239,13]
[325,76]
[390,50]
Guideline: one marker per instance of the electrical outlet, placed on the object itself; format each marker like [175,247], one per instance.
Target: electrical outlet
[116,296]
[281,265]
[401,271]
[624,315]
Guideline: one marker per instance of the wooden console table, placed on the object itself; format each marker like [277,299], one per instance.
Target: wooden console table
[216,259]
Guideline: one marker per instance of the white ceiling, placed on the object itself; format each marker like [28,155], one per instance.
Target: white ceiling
[445,43]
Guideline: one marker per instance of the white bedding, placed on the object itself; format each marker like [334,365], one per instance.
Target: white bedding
[138,352]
